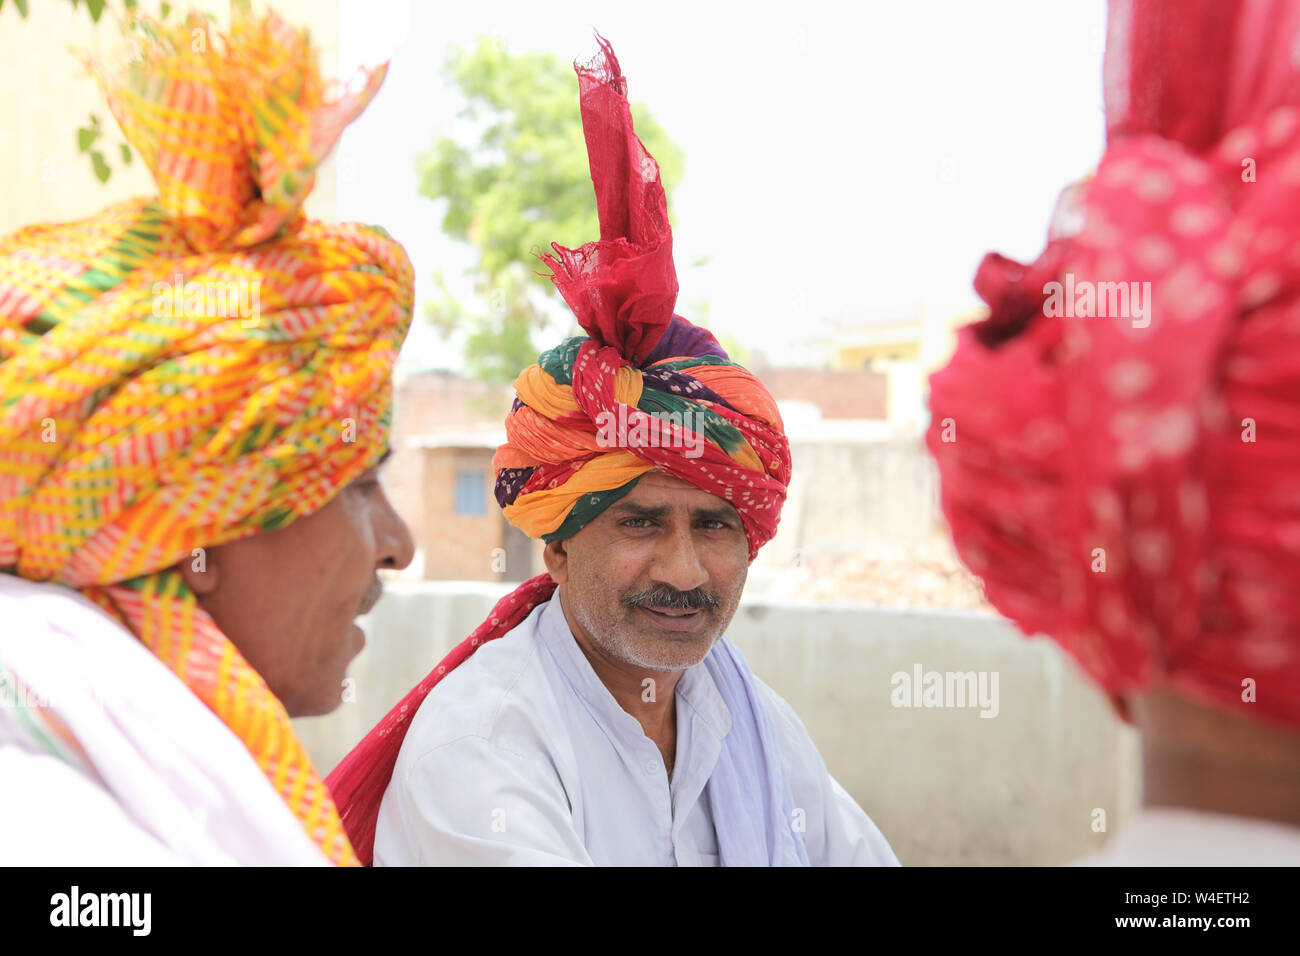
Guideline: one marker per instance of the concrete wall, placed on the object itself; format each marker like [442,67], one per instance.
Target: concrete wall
[945,785]
[847,496]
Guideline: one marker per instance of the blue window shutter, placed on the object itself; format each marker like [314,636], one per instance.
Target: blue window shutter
[469,493]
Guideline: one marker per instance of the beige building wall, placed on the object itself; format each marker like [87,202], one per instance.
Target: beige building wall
[50,95]
[465,547]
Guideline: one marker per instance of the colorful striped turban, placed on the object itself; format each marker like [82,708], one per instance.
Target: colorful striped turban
[1119,441]
[643,390]
[184,370]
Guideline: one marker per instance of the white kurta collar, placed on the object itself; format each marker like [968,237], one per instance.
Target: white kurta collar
[696,686]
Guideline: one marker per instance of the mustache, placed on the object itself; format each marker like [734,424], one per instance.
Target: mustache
[661,595]
[372,597]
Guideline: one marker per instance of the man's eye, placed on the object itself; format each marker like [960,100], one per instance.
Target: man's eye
[717,524]
[629,523]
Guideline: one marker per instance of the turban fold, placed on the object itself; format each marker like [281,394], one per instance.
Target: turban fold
[185,370]
[587,423]
[649,377]
[1119,441]
[643,390]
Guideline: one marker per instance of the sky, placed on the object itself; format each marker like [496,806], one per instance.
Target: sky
[844,163]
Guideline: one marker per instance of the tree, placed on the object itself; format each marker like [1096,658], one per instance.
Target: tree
[515,181]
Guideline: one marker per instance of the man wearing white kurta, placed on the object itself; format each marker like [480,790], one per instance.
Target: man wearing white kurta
[599,715]
[524,755]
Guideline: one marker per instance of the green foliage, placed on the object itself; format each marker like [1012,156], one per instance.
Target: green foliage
[515,180]
[101,167]
[87,135]
[94,7]
[498,340]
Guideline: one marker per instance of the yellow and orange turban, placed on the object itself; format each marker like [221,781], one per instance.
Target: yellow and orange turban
[184,370]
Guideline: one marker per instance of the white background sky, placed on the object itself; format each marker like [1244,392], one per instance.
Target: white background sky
[844,163]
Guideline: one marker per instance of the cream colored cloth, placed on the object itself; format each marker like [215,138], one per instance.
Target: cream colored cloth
[1164,836]
[164,781]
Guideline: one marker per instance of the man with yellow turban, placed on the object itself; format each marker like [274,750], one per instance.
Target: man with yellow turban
[195,395]
[600,716]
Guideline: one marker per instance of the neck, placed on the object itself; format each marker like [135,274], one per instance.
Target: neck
[1209,759]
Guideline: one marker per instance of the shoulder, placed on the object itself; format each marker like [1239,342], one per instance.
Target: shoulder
[36,605]
[810,781]
[1175,836]
[839,832]
[489,742]
[791,734]
[93,696]
[56,640]
[43,621]
[501,694]
[68,819]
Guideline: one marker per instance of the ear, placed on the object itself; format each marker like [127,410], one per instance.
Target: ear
[200,570]
[556,556]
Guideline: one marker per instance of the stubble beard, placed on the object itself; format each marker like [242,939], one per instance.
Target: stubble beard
[619,638]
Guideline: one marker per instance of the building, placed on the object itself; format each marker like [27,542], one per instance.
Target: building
[448,427]
[904,351]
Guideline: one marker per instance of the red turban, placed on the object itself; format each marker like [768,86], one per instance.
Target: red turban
[1119,441]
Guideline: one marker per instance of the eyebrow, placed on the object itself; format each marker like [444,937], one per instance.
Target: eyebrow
[640,511]
[387,454]
[718,514]
[629,509]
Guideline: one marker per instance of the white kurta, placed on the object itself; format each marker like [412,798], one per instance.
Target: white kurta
[164,780]
[521,756]
[1172,836]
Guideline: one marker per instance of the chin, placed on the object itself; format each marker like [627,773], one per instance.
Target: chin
[319,701]
[317,708]
[320,698]
[326,695]
[654,655]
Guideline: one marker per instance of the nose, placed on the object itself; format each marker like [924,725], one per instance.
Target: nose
[396,547]
[677,563]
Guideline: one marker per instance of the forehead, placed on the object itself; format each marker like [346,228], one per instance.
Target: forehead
[657,490]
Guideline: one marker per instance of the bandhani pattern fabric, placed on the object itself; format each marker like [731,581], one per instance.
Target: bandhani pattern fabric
[1119,441]
[188,369]
[643,390]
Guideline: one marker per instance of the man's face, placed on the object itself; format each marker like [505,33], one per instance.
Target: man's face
[655,579]
[288,598]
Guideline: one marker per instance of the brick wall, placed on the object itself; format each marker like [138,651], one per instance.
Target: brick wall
[457,546]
